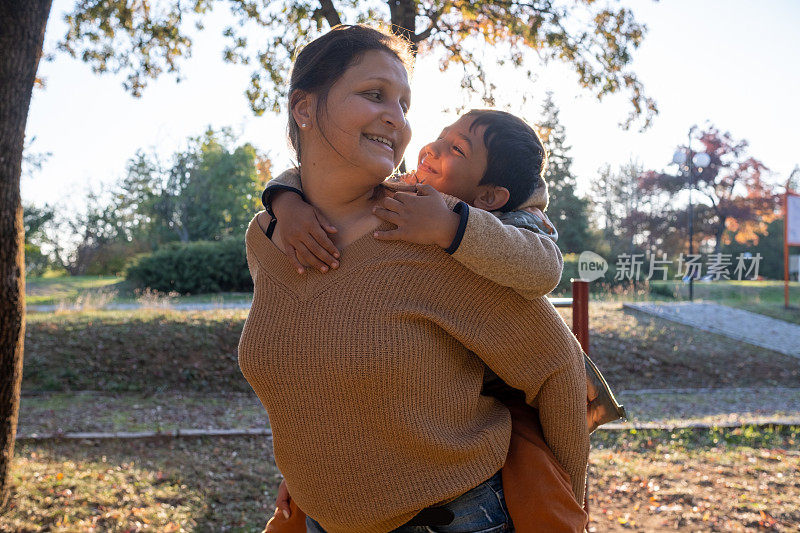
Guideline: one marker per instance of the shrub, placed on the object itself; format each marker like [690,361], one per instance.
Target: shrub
[105,258]
[193,268]
[570,272]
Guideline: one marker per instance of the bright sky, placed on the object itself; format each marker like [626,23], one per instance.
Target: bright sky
[733,62]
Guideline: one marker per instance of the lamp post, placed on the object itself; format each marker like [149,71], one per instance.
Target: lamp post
[691,160]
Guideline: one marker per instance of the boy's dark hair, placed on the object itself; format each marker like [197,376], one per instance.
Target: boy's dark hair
[516,158]
[323,61]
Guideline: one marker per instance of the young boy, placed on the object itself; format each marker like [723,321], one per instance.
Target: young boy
[493,161]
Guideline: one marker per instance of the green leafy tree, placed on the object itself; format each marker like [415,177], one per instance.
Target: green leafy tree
[102,231]
[631,220]
[210,191]
[39,222]
[143,39]
[569,212]
[41,245]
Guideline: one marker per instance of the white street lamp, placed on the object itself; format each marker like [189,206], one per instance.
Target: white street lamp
[689,160]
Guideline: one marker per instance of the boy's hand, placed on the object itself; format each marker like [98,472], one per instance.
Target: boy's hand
[283,499]
[421,218]
[304,232]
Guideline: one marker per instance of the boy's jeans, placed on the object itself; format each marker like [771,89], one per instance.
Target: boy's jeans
[482,509]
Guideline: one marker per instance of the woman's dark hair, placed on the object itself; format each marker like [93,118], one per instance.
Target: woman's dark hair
[323,61]
[516,158]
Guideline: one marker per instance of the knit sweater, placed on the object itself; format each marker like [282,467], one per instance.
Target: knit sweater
[371,375]
[526,261]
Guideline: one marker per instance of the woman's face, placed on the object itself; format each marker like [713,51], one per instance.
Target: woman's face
[364,119]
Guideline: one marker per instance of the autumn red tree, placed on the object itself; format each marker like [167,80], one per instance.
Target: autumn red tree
[731,193]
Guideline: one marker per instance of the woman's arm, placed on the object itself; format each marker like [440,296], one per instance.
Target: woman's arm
[528,345]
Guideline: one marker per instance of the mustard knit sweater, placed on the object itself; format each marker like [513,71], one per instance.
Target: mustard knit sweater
[371,376]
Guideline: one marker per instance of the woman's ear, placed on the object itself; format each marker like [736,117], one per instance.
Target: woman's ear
[491,197]
[302,106]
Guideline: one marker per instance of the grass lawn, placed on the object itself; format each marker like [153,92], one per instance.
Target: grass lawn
[76,412]
[764,297]
[158,350]
[647,481]
[54,290]
[638,351]
[93,292]
[71,412]
[704,480]
[141,350]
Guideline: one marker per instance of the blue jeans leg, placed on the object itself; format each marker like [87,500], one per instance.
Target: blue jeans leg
[480,510]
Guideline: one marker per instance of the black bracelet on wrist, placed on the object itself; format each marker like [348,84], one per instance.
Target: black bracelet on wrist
[461,209]
[266,196]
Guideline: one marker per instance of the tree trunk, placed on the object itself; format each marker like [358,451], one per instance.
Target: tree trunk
[404,17]
[718,234]
[23,23]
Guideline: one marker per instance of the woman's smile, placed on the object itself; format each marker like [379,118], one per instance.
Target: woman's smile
[382,142]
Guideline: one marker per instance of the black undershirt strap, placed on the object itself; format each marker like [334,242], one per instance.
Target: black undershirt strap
[271,228]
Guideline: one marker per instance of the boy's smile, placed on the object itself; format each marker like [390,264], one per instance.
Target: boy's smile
[455,163]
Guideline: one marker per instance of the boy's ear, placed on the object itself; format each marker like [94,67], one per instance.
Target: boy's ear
[302,106]
[491,197]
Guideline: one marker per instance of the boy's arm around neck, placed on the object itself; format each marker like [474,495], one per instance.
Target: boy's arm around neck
[525,261]
[288,180]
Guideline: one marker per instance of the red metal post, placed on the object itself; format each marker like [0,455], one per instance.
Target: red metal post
[580,312]
[786,247]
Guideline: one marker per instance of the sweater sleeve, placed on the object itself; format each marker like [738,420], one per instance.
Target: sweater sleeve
[530,347]
[523,260]
[563,418]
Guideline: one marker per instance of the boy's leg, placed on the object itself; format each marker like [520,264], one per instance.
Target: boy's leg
[295,524]
[537,489]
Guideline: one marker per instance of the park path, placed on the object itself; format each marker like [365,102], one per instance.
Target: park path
[752,328]
[208,306]
[62,414]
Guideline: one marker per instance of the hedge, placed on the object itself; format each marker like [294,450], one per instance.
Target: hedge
[193,268]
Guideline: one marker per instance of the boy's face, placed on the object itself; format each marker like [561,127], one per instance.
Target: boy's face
[455,163]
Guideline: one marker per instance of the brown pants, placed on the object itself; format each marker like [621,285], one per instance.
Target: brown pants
[537,489]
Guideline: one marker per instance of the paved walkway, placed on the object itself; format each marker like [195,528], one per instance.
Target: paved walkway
[131,415]
[208,306]
[752,328]
[50,308]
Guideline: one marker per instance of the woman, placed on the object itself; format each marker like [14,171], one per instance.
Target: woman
[371,374]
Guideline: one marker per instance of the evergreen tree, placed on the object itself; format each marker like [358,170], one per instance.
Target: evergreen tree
[568,212]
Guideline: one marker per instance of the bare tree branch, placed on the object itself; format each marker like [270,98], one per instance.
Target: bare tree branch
[328,10]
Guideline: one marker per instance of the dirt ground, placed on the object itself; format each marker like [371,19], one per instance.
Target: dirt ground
[741,489]
[156,351]
[716,481]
